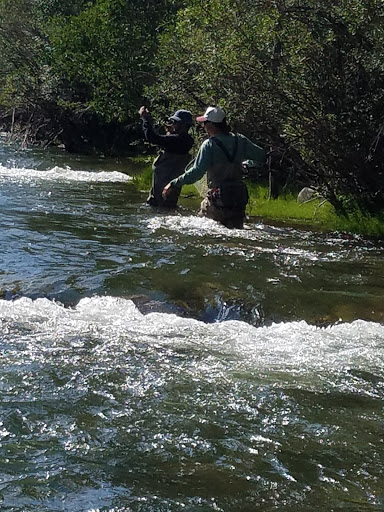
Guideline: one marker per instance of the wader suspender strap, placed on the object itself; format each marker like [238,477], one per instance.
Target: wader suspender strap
[231,158]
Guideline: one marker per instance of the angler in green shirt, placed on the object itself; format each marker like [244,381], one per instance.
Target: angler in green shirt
[221,157]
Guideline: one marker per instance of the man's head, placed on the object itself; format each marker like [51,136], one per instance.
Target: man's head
[212,115]
[214,121]
[181,121]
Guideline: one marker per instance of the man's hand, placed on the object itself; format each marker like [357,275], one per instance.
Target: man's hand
[144,112]
[167,190]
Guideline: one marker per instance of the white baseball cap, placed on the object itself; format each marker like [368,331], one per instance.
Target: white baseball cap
[213,114]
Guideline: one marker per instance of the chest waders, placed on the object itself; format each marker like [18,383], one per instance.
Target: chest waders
[166,167]
[227,195]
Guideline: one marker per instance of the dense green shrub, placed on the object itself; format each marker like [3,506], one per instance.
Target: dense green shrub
[305,78]
[86,66]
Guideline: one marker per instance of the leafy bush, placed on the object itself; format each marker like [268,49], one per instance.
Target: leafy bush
[304,77]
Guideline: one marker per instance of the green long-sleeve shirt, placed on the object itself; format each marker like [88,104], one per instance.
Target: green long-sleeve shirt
[210,153]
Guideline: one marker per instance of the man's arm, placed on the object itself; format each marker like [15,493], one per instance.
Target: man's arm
[171,142]
[193,174]
[254,152]
[198,169]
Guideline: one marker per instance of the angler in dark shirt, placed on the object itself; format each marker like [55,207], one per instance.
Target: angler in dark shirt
[174,155]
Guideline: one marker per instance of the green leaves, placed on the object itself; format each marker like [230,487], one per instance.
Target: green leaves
[95,57]
[103,53]
[305,78]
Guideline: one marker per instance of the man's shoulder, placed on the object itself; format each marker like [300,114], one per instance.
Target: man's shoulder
[207,143]
[190,139]
[183,136]
[241,136]
[246,141]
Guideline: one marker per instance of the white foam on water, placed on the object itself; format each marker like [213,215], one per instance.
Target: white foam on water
[61,174]
[274,239]
[198,226]
[192,225]
[293,346]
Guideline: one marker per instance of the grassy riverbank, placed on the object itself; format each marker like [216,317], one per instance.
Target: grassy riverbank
[316,214]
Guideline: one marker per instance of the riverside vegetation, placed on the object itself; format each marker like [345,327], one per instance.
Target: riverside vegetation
[303,78]
[316,213]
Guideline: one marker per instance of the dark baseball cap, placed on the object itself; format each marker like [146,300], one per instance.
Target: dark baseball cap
[183,116]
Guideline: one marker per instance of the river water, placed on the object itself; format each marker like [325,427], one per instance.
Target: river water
[161,362]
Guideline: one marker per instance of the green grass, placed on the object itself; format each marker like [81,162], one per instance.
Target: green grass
[143,181]
[286,208]
[358,223]
[317,214]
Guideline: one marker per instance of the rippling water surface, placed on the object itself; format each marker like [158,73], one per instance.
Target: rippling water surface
[160,362]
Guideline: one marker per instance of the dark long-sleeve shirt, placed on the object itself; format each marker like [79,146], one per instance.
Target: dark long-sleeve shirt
[179,143]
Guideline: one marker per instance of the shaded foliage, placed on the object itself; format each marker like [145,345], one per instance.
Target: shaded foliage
[304,78]
[86,67]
